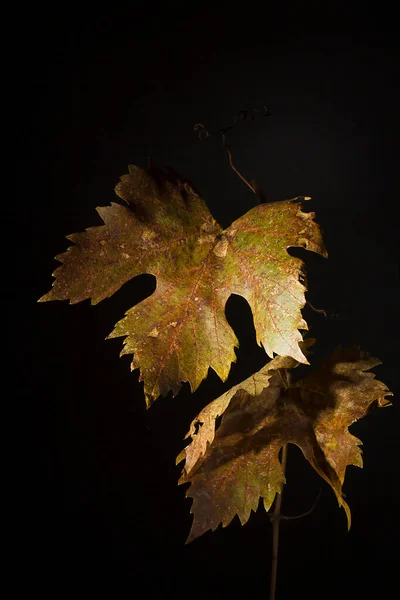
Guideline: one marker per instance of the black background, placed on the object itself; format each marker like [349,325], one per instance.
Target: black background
[108,90]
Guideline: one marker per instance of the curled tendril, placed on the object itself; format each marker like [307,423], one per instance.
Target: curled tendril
[201,131]
[242,115]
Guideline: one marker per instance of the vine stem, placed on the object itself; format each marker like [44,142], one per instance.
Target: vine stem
[242,177]
[276,519]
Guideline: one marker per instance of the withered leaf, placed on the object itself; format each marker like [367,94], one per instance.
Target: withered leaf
[166,230]
[255,386]
[231,469]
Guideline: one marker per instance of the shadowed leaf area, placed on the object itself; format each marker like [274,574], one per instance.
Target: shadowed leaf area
[166,229]
[231,468]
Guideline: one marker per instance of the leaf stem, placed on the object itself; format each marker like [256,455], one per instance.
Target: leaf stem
[242,115]
[276,519]
[242,177]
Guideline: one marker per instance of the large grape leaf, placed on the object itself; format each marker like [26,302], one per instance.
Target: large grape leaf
[166,229]
[230,469]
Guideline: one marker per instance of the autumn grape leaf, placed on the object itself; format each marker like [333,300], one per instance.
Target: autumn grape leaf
[202,428]
[166,230]
[231,469]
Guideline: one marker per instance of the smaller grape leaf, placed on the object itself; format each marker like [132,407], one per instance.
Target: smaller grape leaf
[166,229]
[230,469]
[202,428]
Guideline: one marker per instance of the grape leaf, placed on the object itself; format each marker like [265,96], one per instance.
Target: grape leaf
[166,229]
[202,428]
[231,469]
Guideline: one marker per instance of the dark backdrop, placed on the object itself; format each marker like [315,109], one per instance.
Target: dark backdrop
[108,90]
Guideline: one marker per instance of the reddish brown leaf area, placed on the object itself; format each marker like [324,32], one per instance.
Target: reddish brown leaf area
[241,463]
